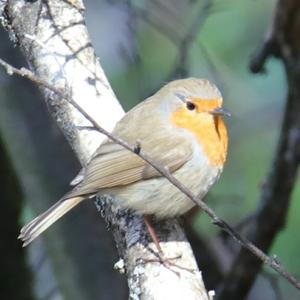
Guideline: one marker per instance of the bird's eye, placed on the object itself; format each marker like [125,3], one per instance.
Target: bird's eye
[190,105]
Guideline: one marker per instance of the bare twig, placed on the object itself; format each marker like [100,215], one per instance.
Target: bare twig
[182,41]
[156,24]
[270,261]
[184,44]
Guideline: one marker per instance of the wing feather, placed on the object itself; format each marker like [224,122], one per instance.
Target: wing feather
[113,165]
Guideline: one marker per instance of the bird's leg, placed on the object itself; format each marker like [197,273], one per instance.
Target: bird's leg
[167,262]
[153,234]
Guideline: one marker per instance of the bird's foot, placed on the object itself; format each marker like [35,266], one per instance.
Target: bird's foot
[167,262]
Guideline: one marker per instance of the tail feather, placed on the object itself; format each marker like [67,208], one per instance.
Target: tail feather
[38,225]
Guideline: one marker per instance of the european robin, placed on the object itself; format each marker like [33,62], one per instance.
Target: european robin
[181,127]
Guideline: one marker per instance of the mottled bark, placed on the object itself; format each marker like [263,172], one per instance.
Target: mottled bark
[54,40]
[45,164]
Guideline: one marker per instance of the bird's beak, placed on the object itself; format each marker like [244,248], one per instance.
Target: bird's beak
[220,111]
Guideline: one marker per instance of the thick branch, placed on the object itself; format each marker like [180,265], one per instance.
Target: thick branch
[44,173]
[55,42]
[276,194]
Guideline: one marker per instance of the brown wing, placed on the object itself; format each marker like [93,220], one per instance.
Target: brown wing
[113,165]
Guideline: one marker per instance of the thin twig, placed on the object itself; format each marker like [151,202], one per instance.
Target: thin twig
[184,45]
[270,261]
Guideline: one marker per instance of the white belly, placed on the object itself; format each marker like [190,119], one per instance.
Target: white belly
[159,197]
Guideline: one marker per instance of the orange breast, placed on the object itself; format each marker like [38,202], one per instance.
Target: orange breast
[210,132]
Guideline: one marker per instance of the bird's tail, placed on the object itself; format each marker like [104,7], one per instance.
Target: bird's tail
[38,225]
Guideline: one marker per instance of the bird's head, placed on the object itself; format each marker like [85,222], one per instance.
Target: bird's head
[195,106]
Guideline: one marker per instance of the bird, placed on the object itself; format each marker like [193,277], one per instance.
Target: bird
[182,128]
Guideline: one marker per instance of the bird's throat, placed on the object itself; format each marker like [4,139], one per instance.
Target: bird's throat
[210,132]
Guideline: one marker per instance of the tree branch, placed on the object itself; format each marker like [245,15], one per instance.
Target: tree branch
[184,45]
[53,38]
[45,163]
[271,215]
